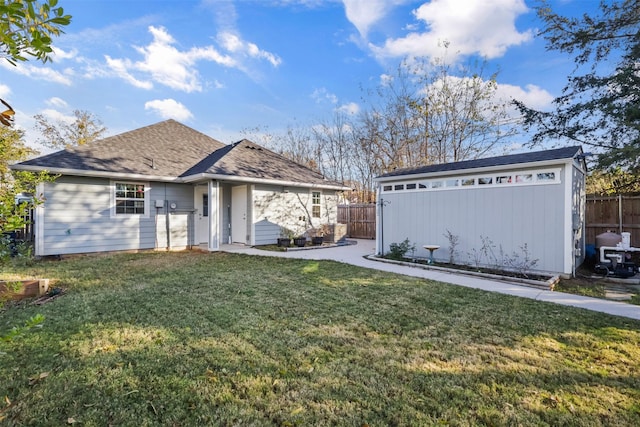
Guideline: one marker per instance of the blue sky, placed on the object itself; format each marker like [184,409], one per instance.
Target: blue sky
[223,67]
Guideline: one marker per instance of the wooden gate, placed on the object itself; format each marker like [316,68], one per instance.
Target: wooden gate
[360,220]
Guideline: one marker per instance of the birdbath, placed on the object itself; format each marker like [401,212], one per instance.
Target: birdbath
[431,249]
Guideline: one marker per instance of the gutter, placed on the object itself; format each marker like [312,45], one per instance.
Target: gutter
[473,170]
[178,180]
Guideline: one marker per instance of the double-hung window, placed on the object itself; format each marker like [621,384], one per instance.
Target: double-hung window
[315,204]
[130,198]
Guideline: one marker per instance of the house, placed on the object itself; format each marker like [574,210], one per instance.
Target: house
[507,211]
[167,186]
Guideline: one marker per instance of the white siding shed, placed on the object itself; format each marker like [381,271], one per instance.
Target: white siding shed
[513,209]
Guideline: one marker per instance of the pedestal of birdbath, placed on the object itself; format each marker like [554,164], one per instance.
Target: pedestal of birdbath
[431,249]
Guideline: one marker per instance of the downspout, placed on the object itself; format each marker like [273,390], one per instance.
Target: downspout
[167,223]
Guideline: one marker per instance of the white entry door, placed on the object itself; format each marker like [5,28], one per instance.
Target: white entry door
[239,214]
[201,203]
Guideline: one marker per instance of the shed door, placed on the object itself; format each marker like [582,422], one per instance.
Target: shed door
[239,214]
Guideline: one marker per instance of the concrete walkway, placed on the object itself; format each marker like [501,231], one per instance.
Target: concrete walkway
[354,254]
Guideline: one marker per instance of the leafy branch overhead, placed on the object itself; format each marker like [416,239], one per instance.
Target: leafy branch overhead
[599,106]
[27,28]
[6,117]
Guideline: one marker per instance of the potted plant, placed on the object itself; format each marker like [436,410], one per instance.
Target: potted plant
[284,241]
[300,241]
[317,236]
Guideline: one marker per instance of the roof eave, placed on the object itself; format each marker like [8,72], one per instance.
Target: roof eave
[249,180]
[567,160]
[96,174]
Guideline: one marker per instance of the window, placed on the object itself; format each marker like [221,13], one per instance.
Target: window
[485,181]
[524,178]
[547,176]
[468,181]
[315,204]
[399,187]
[387,188]
[411,186]
[130,199]
[505,179]
[453,183]
[205,205]
[436,184]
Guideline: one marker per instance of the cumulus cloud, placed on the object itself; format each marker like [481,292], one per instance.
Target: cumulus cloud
[364,13]
[485,28]
[169,109]
[57,116]
[165,64]
[531,95]
[350,108]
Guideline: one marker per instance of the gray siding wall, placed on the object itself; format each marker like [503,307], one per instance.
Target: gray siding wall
[76,218]
[507,216]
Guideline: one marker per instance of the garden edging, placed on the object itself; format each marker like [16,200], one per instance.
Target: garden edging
[548,284]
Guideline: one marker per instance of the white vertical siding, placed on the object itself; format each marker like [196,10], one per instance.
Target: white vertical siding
[508,216]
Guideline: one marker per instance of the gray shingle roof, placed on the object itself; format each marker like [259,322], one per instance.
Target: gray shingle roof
[163,149]
[171,149]
[249,160]
[511,159]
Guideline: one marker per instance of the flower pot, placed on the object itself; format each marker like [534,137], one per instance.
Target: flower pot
[317,240]
[284,242]
[300,241]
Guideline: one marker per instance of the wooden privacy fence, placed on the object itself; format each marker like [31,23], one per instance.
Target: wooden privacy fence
[360,220]
[615,213]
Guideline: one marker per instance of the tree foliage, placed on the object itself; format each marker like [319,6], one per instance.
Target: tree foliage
[27,26]
[600,104]
[85,129]
[13,149]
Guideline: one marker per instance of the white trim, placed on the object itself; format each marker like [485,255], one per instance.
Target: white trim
[187,180]
[214,232]
[112,192]
[568,245]
[455,183]
[475,171]
[245,180]
[39,219]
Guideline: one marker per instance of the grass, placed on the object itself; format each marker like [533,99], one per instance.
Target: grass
[229,339]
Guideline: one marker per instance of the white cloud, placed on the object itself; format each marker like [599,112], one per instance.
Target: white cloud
[531,95]
[119,67]
[169,109]
[235,44]
[351,108]
[486,28]
[61,54]
[165,64]
[57,102]
[321,95]
[58,116]
[364,13]
[40,73]
[4,90]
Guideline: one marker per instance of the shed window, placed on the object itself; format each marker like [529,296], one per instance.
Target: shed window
[387,188]
[436,184]
[129,198]
[411,186]
[399,187]
[467,182]
[504,179]
[524,178]
[547,176]
[315,204]
[485,181]
[453,182]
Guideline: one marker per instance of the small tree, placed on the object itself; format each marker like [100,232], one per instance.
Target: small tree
[85,129]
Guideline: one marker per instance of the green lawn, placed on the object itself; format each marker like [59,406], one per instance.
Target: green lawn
[225,339]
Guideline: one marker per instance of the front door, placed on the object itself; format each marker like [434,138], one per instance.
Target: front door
[201,204]
[239,214]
